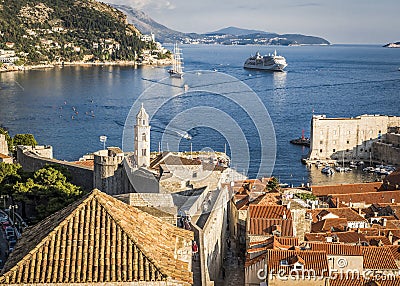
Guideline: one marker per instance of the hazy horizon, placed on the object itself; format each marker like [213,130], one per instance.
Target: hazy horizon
[340,22]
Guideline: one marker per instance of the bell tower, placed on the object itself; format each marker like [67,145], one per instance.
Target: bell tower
[142,138]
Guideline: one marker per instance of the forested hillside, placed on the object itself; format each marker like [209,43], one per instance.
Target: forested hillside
[66,30]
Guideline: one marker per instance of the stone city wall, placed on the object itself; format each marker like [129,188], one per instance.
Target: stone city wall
[81,176]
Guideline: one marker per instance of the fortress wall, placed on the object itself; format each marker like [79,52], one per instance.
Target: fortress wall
[348,138]
[81,176]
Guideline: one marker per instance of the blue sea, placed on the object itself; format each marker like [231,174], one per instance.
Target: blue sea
[70,107]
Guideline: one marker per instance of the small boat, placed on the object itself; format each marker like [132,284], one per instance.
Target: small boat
[176,69]
[304,141]
[327,171]
[271,62]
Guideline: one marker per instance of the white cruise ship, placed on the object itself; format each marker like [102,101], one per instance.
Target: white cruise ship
[271,62]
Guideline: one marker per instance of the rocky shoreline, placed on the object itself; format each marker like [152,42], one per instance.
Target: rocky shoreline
[13,68]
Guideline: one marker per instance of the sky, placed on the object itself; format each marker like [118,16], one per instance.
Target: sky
[338,21]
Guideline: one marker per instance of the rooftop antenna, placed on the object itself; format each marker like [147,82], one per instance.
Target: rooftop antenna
[103,140]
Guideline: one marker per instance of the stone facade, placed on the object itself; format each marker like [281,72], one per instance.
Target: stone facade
[3,145]
[347,138]
[388,150]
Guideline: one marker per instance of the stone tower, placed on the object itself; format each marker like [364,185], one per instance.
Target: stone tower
[142,138]
[3,145]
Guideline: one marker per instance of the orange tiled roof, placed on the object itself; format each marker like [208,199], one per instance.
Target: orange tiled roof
[261,226]
[395,249]
[393,281]
[98,239]
[392,181]
[87,163]
[336,248]
[316,260]
[345,189]
[378,258]
[368,198]
[269,211]
[346,213]
[329,224]
[349,237]
[3,156]
[374,240]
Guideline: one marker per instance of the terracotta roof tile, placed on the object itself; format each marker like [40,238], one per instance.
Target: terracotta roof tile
[375,240]
[87,163]
[336,248]
[3,156]
[395,249]
[378,258]
[261,226]
[346,213]
[393,281]
[269,211]
[345,188]
[368,198]
[348,237]
[98,239]
[330,224]
[316,260]
[392,181]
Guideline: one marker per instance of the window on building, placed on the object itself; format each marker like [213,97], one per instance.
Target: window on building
[334,150]
[144,152]
[144,122]
[348,141]
[334,142]
[320,142]
[320,150]
[347,150]
[144,137]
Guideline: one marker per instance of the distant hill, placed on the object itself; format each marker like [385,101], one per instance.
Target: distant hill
[392,45]
[237,31]
[70,30]
[226,36]
[147,25]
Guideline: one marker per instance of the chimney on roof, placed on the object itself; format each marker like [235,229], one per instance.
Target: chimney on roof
[384,222]
[288,205]
[337,202]
[284,216]
[359,211]
[392,200]
[375,214]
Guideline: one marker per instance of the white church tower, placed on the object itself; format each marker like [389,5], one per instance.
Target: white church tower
[142,138]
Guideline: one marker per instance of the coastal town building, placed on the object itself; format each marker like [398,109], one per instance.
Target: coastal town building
[348,139]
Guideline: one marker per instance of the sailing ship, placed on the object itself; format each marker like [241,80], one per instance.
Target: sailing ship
[177,61]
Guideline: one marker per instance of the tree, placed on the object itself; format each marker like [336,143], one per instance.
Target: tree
[24,139]
[10,174]
[48,190]
[272,185]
